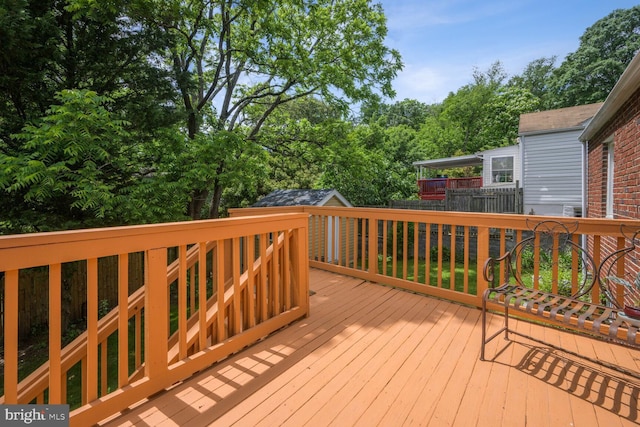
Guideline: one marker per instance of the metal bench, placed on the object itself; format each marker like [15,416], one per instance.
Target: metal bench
[549,274]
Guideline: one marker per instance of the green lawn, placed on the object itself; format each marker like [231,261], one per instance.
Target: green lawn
[433,273]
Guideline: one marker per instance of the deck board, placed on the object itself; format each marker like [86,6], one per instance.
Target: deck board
[371,355]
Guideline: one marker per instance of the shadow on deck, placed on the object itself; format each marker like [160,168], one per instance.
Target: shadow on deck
[372,355]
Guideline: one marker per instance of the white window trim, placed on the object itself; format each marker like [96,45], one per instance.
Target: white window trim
[610,177]
[513,169]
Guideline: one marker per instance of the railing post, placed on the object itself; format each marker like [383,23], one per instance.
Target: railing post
[300,257]
[55,333]
[483,254]
[373,247]
[11,292]
[156,312]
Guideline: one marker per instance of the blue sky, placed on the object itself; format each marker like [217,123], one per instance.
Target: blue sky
[441,41]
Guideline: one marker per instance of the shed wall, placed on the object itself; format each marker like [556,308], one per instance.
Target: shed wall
[552,172]
[334,202]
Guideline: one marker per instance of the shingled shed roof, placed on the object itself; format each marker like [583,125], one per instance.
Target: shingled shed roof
[561,119]
[300,198]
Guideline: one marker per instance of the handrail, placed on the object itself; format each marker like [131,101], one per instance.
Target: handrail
[277,271]
[369,243]
[212,308]
[258,262]
[37,382]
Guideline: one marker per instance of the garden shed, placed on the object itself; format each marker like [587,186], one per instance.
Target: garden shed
[302,197]
[307,197]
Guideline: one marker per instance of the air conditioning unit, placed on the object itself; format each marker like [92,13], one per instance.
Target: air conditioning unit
[572,211]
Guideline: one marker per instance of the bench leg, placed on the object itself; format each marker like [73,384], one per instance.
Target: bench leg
[506,322]
[484,328]
[505,328]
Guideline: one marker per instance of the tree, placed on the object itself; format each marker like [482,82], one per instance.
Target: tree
[355,169]
[502,116]
[71,160]
[408,112]
[439,137]
[372,165]
[230,55]
[28,34]
[296,137]
[537,78]
[467,108]
[606,48]
[51,45]
[244,164]
[65,57]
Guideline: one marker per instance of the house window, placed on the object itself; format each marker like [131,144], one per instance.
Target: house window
[502,169]
[610,175]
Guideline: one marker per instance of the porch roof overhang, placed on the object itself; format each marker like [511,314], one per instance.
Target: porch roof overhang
[450,162]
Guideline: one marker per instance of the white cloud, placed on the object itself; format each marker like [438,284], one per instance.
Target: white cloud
[430,84]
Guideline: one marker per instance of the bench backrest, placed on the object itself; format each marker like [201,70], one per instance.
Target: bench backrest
[552,259]
[619,272]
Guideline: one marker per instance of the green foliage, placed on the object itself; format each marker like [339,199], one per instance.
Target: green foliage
[251,58]
[485,113]
[499,125]
[28,33]
[606,48]
[78,167]
[545,272]
[142,111]
[296,137]
[224,159]
[536,79]
[372,166]
[74,153]
[467,109]
[408,112]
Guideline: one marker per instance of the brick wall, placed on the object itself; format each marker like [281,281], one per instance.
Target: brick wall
[597,181]
[625,128]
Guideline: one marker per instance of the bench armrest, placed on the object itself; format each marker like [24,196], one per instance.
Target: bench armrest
[488,272]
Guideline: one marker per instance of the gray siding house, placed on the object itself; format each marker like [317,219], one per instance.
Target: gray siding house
[553,160]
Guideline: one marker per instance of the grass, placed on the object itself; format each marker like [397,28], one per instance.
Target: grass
[433,273]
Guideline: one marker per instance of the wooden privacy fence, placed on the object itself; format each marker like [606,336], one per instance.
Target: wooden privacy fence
[210,289]
[483,200]
[487,200]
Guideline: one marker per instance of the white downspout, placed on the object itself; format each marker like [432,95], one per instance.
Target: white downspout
[585,174]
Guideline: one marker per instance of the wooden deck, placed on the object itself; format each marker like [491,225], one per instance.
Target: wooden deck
[371,355]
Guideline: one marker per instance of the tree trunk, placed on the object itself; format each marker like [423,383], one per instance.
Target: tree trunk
[214,209]
[192,124]
[197,202]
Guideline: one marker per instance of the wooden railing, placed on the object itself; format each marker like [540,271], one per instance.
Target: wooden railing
[435,253]
[214,287]
[211,288]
